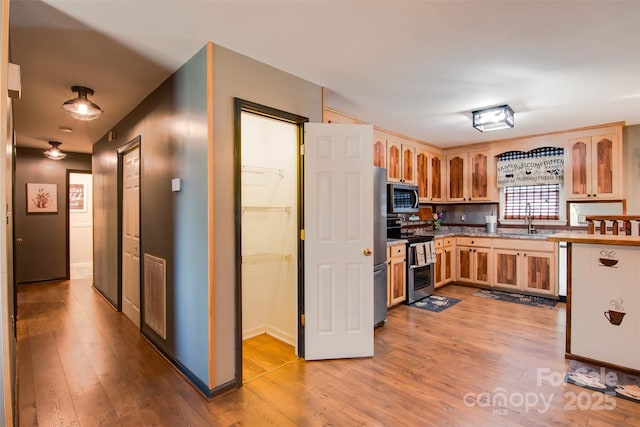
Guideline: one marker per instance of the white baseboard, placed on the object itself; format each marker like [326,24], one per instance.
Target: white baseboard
[269,330]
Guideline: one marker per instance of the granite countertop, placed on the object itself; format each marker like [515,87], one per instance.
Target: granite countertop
[438,234]
[391,242]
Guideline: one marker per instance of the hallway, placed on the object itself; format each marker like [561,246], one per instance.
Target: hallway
[82,363]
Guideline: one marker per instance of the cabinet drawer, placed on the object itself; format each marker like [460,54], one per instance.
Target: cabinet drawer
[396,251]
[443,242]
[524,244]
[474,241]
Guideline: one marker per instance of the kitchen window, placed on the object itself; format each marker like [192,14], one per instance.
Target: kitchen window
[531,183]
[542,201]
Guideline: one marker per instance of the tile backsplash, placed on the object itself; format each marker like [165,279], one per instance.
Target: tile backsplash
[467,214]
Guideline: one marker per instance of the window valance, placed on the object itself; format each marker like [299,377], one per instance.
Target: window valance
[539,166]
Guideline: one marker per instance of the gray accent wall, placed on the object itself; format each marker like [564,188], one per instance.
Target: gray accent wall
[172,124]
[236,75]
[43,254]
[174,130]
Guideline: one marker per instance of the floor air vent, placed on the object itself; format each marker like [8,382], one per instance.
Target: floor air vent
[155,294]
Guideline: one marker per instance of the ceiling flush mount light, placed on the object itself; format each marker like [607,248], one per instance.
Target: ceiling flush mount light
[54,153]
[81,108]
[494,118]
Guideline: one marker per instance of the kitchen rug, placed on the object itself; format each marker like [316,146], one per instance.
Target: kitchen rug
[541,302]
[605,380]
[436,303]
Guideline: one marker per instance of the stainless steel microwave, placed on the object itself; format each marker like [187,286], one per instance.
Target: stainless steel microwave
[402,198]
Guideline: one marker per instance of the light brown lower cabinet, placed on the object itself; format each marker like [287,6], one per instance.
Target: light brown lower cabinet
[525,265]
[474,265]
[396,275]
[525,271]
[522,265]
[444,266]
[507,268]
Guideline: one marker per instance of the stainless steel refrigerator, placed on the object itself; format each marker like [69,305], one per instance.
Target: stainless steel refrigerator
[379,246]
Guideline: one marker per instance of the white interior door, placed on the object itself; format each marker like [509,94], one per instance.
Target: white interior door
[131,236]
[338,204]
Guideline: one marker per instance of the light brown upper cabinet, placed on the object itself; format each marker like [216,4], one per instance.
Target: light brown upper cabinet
[429,176]
[480,176]
[408,164]
[436,177]
[594,169]
[379,149]
[457,176]
[471,177]
[401,161]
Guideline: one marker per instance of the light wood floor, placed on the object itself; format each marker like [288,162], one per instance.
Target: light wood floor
[262,354]
[82,363]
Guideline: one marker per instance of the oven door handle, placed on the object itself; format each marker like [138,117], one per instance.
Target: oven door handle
[412,267]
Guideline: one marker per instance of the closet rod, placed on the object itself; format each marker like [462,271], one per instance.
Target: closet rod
[264,258]
[286,209]
[259,169]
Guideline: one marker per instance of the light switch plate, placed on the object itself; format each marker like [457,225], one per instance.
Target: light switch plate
[176,184]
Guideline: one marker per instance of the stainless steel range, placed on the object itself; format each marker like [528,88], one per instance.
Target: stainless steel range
[420,261]
[420,268]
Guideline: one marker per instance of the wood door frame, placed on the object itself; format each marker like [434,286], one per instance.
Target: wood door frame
[136,142]
[240,106]
[68,218]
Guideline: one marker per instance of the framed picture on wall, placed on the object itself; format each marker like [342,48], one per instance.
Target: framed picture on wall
[77,198]
[42,198]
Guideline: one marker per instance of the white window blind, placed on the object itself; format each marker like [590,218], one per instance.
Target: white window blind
[543,201]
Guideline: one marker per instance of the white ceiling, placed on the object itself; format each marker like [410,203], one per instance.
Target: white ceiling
[418,67]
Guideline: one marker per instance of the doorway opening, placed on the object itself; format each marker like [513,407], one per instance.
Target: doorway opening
[269,254]
[129,194]
[80,224]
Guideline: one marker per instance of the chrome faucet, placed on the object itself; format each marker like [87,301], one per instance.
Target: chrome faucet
[527,219]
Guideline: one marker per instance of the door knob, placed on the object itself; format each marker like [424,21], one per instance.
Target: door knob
[367,252]
[19,240]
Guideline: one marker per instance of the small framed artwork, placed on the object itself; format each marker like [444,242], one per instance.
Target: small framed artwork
[77,198]
[42,198]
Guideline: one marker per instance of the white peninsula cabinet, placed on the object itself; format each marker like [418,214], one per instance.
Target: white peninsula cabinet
[603,299]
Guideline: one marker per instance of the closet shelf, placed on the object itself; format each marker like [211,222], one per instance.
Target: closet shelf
[286,209]
[261,170]
[264,258]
